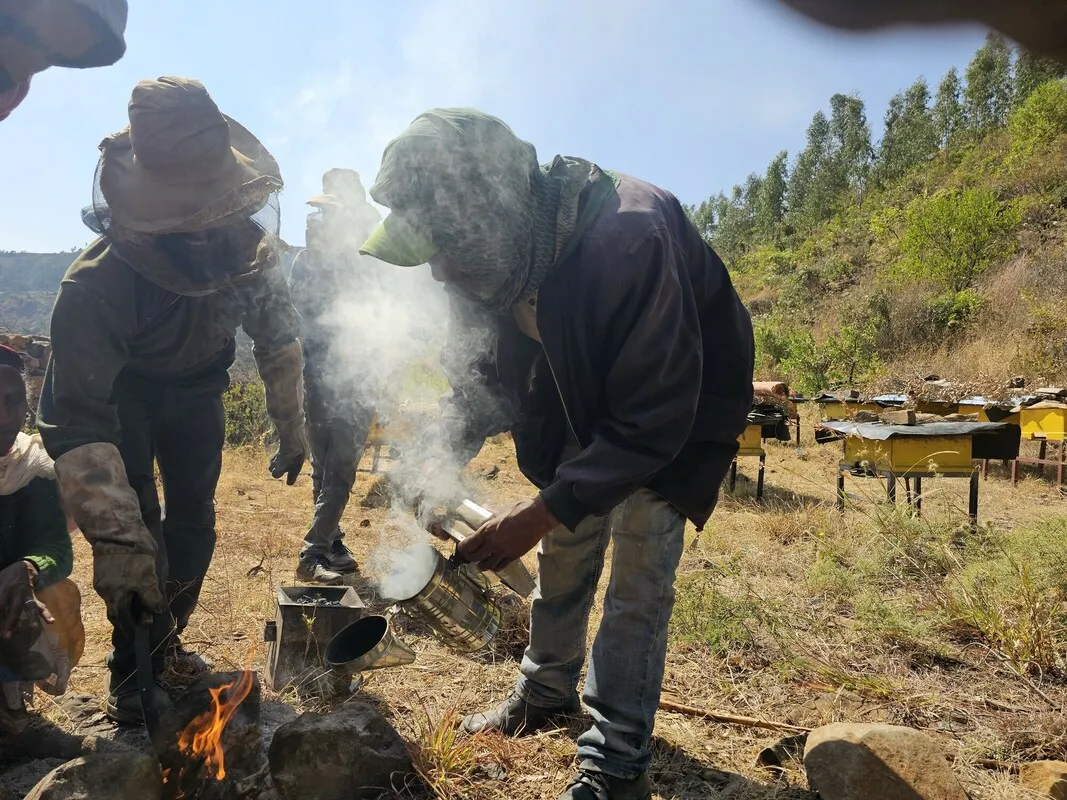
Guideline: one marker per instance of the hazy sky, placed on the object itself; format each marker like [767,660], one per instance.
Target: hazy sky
[689,94]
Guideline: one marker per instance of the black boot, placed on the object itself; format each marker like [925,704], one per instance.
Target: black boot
[124,700]
[515,717]
[591,785]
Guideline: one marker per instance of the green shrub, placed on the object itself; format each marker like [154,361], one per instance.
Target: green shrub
[950,312]
[1012,594]
[706,618]
[245,405]
[1039,120]
[951,237]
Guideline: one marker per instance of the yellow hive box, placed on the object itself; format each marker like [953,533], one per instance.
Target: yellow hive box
[838,410]
[903,455]
[751,441]
[974,408]
[395,431]
[1044,423]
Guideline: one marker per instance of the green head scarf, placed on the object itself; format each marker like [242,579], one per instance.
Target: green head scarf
[460,183]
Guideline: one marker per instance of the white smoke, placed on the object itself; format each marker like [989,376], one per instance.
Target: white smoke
[403,561]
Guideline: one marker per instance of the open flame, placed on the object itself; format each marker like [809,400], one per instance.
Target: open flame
[202,737]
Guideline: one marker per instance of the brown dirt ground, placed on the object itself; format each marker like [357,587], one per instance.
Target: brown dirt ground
[811,666]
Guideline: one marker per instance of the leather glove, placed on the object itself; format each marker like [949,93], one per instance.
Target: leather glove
[281,369]
[290,456]
[128,583]
[95,491]
[19,607]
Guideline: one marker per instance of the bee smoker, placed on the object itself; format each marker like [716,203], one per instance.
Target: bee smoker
[461,521]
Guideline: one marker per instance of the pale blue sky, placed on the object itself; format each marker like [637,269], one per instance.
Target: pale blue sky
[689,95]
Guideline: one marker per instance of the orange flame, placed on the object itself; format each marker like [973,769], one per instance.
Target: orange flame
[202,737]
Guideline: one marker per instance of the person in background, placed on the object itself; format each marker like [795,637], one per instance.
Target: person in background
[38,34]
[41,634]
[338,416]
[143,334]
[591,320]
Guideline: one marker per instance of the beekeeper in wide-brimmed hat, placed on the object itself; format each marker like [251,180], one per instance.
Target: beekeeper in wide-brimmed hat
[38,34]
[142,336]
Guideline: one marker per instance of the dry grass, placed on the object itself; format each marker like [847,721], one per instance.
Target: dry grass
[786,611]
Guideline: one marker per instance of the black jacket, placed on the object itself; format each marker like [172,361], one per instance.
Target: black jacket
[646,356]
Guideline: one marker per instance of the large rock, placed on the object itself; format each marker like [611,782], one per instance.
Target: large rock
[847,761]
[102,776]
[1047,777]
[349,753]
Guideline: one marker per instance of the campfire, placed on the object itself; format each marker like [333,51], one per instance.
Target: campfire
[211,739]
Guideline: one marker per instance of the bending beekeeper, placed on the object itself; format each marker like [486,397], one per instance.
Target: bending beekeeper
[591,320]
[142,337]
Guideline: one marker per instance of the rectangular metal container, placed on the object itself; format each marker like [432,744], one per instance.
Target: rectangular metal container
[297,636]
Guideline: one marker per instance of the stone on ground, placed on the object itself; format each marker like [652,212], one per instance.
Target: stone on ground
[847,761]
[102,776]
[349,753]
[1046,777]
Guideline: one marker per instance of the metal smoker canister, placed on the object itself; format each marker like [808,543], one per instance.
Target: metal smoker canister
[515,575]
[456,605]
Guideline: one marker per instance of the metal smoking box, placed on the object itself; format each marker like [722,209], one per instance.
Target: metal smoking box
[306,619]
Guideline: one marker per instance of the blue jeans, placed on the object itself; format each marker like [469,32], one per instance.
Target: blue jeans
[622,687]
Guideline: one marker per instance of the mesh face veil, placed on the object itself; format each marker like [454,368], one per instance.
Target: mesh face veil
[229,251]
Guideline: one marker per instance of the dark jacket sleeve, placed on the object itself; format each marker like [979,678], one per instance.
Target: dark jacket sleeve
[41,527]
[89,349]
[477,407]
[646,316]
[269,317]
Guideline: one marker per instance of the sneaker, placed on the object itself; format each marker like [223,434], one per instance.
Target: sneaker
[340,558]
[124,701]
[315,568]
[591,785]
[515,717]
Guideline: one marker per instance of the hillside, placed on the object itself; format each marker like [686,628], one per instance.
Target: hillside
[28,286]
[939,248]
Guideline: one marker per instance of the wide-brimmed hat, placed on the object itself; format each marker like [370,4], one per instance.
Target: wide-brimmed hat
[182,165]
[37,34]
[341,187]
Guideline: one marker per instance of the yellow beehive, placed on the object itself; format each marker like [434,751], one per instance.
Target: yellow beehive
[836,409]
[751,441]
[1044,423]
[940,407]
[903,455]
[983,416]
[396,431]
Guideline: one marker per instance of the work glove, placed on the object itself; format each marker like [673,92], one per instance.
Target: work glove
[19,607]
[281,369]
[290,455]
[95,491]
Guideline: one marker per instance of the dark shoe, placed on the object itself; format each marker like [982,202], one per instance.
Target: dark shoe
[340,558]
[124,701]
[186,663]
[589,785]
[315,568]
[515,717]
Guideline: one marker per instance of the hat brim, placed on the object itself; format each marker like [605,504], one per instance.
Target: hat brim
[325,201]
[396,242]
[139,201]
